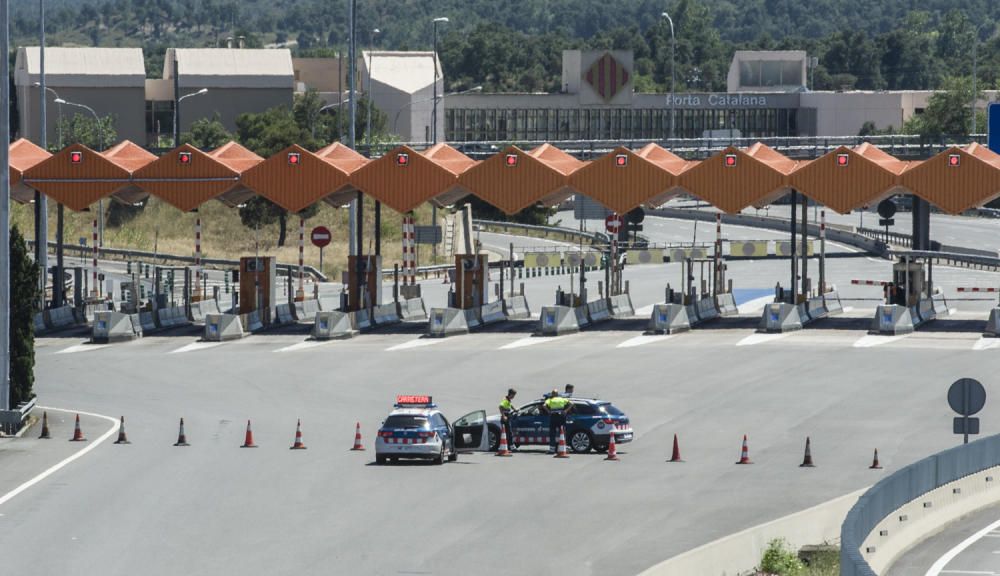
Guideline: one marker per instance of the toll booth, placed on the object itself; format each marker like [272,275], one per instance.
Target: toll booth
[364,282]
[908,283]
[257,286]
[472,279]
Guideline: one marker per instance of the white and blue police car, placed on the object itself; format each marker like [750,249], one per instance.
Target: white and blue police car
[417,429]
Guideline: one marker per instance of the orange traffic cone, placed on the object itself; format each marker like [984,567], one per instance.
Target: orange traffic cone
[807,460]
[744,453]
[181,437]
[675,455]
[122,438]
[357,437]
[45,427]
[612,451]
[298,437]
[561,447]
[875,465]
[503,449]
[248,440]
[77,434]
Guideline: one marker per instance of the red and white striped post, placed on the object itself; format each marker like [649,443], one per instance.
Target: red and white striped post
[718,254]
[301,294]
[822,253]
[197,259]
[96,291]
[409,251]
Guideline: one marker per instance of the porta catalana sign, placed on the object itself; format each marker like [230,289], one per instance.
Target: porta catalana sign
[728,101]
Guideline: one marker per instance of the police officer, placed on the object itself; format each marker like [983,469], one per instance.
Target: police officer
[506,413]
[557,407]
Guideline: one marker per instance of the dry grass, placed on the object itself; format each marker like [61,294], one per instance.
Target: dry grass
[170,231]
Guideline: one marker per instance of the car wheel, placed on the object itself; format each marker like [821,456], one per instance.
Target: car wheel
[439,459]
[379,459]
[494,438]
[581,442]
[453,455]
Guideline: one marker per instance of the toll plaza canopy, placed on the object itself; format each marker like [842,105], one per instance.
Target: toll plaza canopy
[844,179]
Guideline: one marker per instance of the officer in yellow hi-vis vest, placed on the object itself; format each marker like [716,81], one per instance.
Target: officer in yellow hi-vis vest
[506,414]
[557,407]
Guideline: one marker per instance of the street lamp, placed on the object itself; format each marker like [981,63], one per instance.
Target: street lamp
[368,119]
[975,70]
[435,98]
[177,117]
[57,98]
[434,113]
[672,43]
[100,133]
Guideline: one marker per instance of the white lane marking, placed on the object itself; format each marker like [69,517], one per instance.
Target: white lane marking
[82,347]
[8,496]
[644,339]
[530,341]
[871,340]
[986,343]
[195,346]
[755,305]
[980,572]
[754,339]
[304,345]
[417,343]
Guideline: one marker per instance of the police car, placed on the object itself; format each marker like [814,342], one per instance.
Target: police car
[417,429]
[588,425]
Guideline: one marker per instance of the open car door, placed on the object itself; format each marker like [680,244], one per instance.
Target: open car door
[470,432]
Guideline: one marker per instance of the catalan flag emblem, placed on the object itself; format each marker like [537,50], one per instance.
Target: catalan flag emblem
[607,76]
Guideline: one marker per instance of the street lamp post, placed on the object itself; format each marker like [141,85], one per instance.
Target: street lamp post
[368,123]
[41,202]
[57,284]
[4,207]
[975,70]
[100,134]
[177,114]
[672,45]
[434,113]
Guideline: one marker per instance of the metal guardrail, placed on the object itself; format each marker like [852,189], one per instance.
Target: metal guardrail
[12,420]
[896,238]
[126,253]
[973,261]
[906,485]
[576,235]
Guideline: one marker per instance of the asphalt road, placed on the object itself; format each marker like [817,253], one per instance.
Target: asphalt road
[979,558]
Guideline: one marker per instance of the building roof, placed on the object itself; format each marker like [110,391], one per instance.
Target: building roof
[408,72]
[23,155]
[455,162]
[347,160]
[231,67]
[78,67]
[240,159]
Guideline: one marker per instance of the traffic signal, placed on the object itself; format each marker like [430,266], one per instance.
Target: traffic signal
[842,160]
[954,160]
[294,158]
[621,160]
[510,160]
[184,158]
[730,160]
[402,159]
[75,157]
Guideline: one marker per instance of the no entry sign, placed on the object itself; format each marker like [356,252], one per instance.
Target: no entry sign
[320,236]
[613,223]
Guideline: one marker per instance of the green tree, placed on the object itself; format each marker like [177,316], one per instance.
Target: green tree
[23,295]
[206,134]
[84,129]
[947,111]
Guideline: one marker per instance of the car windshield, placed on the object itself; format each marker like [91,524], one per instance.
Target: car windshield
[611,410]
[405,421]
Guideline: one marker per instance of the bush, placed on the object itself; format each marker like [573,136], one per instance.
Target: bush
[781,560]
[23,299]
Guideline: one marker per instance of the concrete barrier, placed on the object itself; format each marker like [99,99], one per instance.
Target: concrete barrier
[148,322]
[816,309]
[705,309]
[446,322]
[412,309]
[993,324]
[171,317]
[620,306]
[925,309]
[328,304]
[892,320]
[832,302]
[492,313]
[283,313]
[223,327]
[516,308]
[669,319]
[39,322]
[748,249]
[306,310]
[472,318]
[780,317]
[598,311]
[112,326]
[332,325]
[559,320]
[361,320]
[62,317]
[199,310]
[940,305]
[583,319]
[726,304]
[385,314]
[253,323]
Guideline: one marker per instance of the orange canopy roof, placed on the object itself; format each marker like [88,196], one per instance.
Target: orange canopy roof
[77,177]
[347,160]
[622,180]
[756,175]
[295,178]
[188,184]
[868,176]
[972,179]
[240,159]
[670,162]
[23,155]
[403,179]
[514,179]
[455,162]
